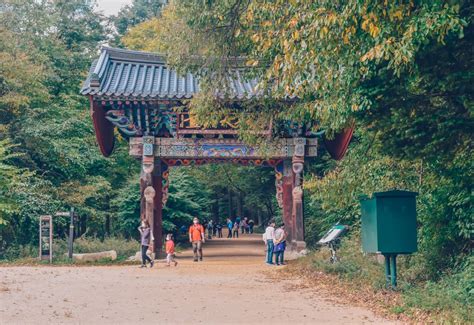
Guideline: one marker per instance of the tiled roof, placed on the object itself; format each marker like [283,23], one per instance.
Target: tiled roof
[127,74]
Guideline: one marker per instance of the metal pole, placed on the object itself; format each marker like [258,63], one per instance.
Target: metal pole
[387,270]
[71,232]
[50,239]
[393,271]
[40,246]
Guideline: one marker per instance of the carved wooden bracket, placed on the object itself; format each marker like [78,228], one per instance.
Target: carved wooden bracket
[279,184]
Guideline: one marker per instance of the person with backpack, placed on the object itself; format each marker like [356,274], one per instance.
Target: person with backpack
[251,225]
[235,232]
[197,238]
[229,227]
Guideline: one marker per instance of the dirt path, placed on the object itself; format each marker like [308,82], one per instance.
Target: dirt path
[231,285]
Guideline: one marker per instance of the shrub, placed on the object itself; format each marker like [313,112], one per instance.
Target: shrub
[452,297]
[124,247]
[28,253]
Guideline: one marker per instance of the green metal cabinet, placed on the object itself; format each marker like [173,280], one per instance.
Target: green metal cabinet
[389,222]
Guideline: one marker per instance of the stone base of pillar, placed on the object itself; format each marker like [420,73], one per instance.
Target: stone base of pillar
[297,245]
[295,250]
[300,245]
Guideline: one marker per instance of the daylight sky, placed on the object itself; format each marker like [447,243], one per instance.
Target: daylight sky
[111,7]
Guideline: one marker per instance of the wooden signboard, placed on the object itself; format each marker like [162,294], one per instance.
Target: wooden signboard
[46,238]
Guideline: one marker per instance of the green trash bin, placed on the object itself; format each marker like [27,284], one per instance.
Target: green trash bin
[389,226]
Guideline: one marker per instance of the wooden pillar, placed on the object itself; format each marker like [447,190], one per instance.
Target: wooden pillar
[298,216]
[151,189]
[287,208]
[143,185]
[149,195]
[158,208]
[298,242]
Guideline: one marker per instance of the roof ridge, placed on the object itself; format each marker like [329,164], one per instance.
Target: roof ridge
[126,54]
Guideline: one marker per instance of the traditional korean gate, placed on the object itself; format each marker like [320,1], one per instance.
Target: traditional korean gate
[135,93]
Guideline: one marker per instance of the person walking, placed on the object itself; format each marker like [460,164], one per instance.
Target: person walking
[219,230]
[170,250]
[197,238]
[268,239]
[280,244]
[243,225]
[214,229]
[251,224]
[145,236]
[235,232]
[247,226]
[210,228]
[229,227]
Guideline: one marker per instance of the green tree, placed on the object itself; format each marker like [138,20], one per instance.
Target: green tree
[48,47]
[133,14]
[402,71]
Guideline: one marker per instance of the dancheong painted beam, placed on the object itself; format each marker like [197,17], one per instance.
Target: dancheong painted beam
[223,148]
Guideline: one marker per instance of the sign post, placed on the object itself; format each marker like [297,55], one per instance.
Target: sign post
[46,238]
[71,216]
[71,232]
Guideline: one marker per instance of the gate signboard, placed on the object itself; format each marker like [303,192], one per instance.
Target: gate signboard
[46,238]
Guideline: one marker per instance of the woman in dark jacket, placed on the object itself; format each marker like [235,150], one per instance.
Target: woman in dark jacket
[145,234]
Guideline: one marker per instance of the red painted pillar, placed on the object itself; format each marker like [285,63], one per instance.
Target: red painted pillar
[288,180]
[104,130]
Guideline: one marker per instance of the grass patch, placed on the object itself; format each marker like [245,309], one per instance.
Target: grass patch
[451,299]
[28,254]
[360,279]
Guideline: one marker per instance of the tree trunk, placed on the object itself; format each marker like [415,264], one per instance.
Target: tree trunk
[107,224]
[239,204]
[229,193]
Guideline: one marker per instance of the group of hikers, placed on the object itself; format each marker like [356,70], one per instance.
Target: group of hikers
[233,225]
[274,238]
[244,225]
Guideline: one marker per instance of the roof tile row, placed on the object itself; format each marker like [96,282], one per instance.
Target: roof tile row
[133,74]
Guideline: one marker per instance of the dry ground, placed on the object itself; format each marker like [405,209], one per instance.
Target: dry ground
[232,285]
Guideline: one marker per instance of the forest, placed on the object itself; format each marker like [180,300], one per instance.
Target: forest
[400,72]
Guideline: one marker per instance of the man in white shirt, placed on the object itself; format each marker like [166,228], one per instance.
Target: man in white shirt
[268,238]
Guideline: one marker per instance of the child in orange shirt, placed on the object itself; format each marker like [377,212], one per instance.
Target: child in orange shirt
[170,250]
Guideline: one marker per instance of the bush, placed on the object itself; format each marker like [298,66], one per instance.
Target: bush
[452,296]
[20,251]
[449,300]
[28,253]
[353,265]
[124,247]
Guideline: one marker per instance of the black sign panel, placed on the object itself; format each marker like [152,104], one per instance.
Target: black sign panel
[46,240]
